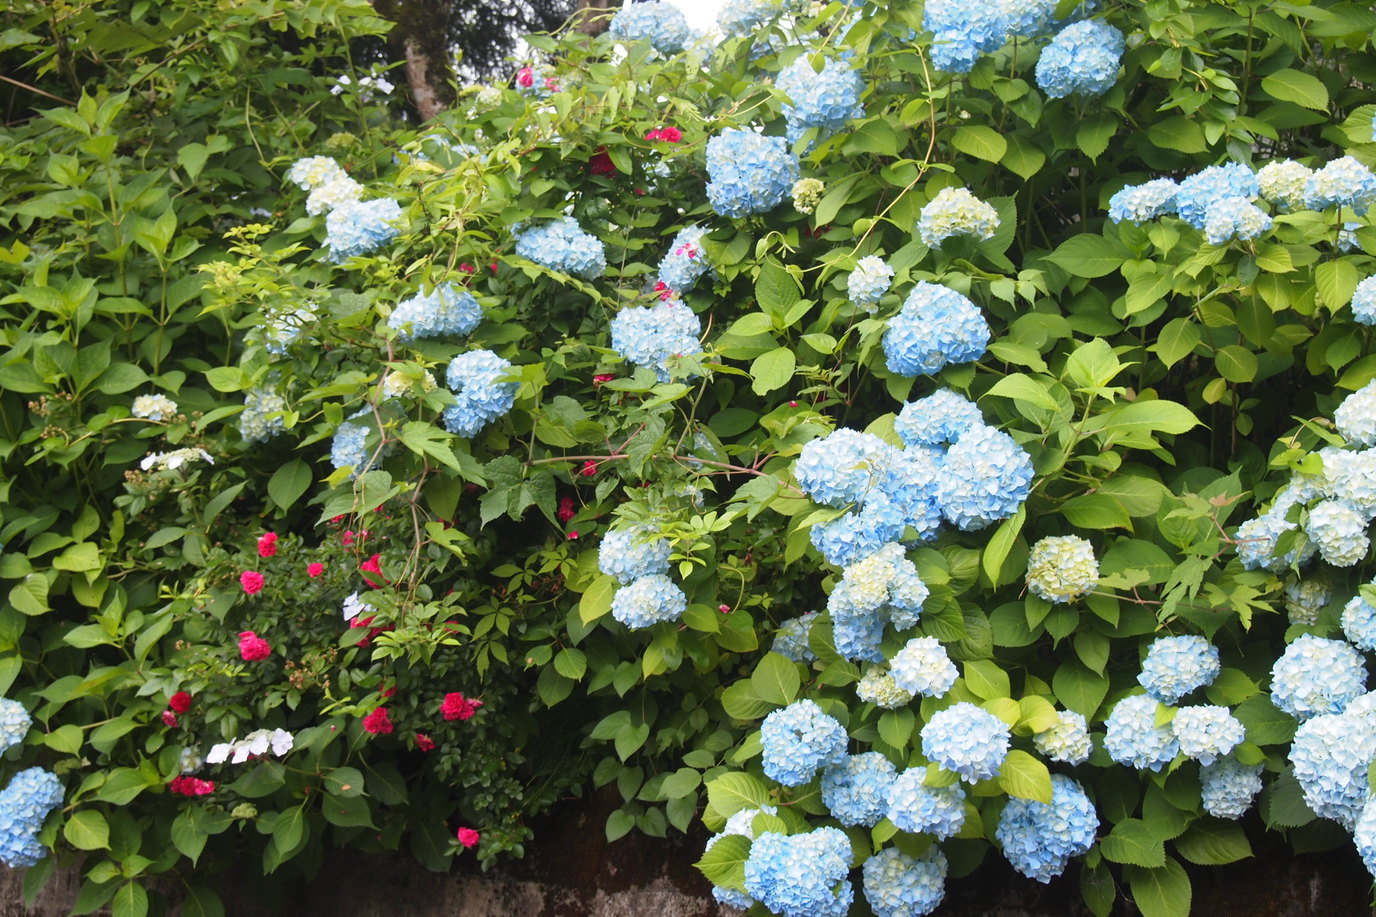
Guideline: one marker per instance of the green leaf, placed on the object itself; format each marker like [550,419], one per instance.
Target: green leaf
[1025,777]
[1294,86]
[1093,364]
[1132,842]
[78,558]
[1214,842]
[1079,689]
[87,830]
[1283,804]
[1094,133]
[680,783]
[1177,340]
[1336,281]
[629,739]
[985,679]
[1022,387]
[1266,724]
[742,702]
[772,370]
[620,823]
[1096,511]
[1000,544]
[66,739]
[289,482]
[731,792]
[344,782]
[980,142]
[896,727]
[125,783]
[1236,363]
[1023,158]
[776,679]
[1086,256]
[202,902]
[571,663]
[188,835]
[597,599]
[344,811]
[776,290]
[131,900]
[30,596]
[724,863]
[1098,889]
[1161,892]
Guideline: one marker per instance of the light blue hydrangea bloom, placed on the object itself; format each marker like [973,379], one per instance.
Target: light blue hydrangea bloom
[349,448]
[920,809]
[1343,182]
[1147,201]
[445,311]
[841,467]
[649,600]
[1338,530]
[791,639]
[663,25]
[1349,477]
[897,885]
[868,283]
[1364,302]
[883,587]
[1200,190]
[561,245]
[652,336]
[1067,741]
[1305,599]
[985,478]
[256,423]
[743,824]
[802,875]
[281,328]
[1282,182]
[633,551]
[1175,666]
[741,17]
[922,667]
[1028,18]
[14,723]
[962,31]
[1206,732]
[852,537]
[956,212]
[967,740]
[825,100]
[857,789]
[1082,59]
[24,804]
[1230,218]
[156,407]
[1228,787]
[479,395]
[1330,755]
[360,227]
[1359,623]
[877,687]
[936,326]
[798,741]
[907,493]
[749,172]
[1355,418]
[938,419]
[1316,676]
[858,636]
[1134,739]
[953,51]
[1257,538]
[1364,835]
[1039,839]
[686,260]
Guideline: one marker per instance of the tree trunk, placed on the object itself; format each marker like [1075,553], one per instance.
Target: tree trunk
[592,15]
[428,102]
[420,37]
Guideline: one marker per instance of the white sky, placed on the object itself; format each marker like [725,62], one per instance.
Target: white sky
[700,13]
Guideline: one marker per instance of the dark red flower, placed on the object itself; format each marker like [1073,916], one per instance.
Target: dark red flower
[567,509]
[468,837]
[601,163]
[180,702]
[457,707]
[267,545]
[191,786]
[253,648]
[424,742]
[169,719]
[378,722]
[371,565]
[589,468]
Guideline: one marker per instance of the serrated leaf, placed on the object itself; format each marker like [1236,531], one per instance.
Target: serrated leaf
[980,142]
[896,727]
[87,830]
[742,702]
[1086,256]
[1214,842]
[1161,892]
[289,482]
[1025,777]
[772,370]
[1131,842]
[776,679]
[729,793]
[1294,86]
[724,863]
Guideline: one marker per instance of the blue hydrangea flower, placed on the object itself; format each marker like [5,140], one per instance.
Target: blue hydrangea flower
[1355,418]
[742,824]
[1082,59]
[1364,836]
[1305,599]
[953,51]
[445,311]
[1228,787]
[24,804]
[936,326]
[1197,192]
[1257,538]
[1062,568]
[14,723]
[858,636]
[1028,18]
[256,423]
[1175,666]
[632,552]
[1147,201]
[649,600]
[686,260]
[1067,741]
[922,667]
[1343,182]
[868,283]
[1364,302]
[791,639]
[1230,218]
[652,336]
[967,740]
[1283,182]
[857,789]
[897,885]
[1316,676]
[920,809]
[798,741]
[561,245]
[938,419]
[825,100]
[877,687]
[156,407]
[841,467]
[882,587]
[741,17]
[852,537]
[962,31]
[360,227]
[1359,623]
[908,494]
[802,875]
[1133,738]
[1338,530]
[349,449]
[985,478]
[1330,755]
[1206,733]
[281,328]
[1349,479]
[663,25]
[956,212]
[479,396]
[1039,839]
[750,173]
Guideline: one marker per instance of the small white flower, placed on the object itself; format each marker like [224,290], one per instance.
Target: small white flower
[219,753]
[354,606]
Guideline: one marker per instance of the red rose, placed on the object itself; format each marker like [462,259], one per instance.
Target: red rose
[379,721]
[424,742]
[314,570]
[180,702]
[458,707]
[169,719]
[267,545]
[252,581]
[252,647]
[468,837]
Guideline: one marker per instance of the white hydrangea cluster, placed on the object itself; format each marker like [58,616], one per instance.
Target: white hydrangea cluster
[157,407]
[1355,418]
[868,283]
[956,212]
[922,667]
[1228,787]
[1068,741]
[1316,676]
[1282,182]
[1133,738]
[1175,666]
[254,745]
[1206,732]
[1306,598]
[920,809]
[1062,568]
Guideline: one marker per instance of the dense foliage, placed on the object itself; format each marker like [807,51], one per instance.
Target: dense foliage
[889,435]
